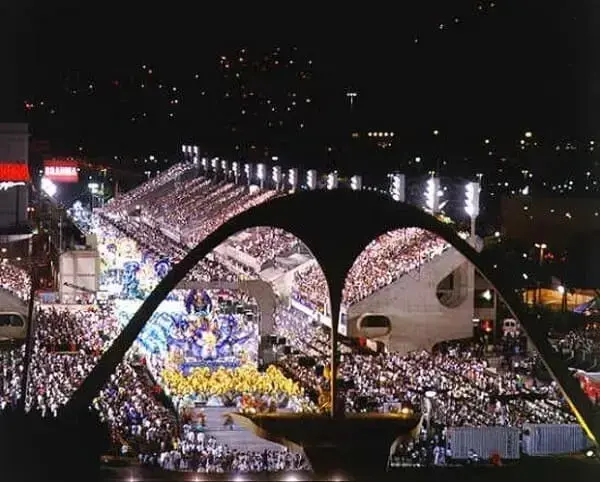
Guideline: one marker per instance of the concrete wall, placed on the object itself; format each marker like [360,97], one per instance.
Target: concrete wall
[78,268]
[419,320]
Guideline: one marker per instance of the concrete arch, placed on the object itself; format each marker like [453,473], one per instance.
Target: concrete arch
[336,226]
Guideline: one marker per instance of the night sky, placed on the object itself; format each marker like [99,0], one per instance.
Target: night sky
[470,69]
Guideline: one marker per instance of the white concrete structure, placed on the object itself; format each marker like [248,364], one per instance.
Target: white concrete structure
[419,320]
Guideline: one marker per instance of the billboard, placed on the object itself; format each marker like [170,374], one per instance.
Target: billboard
[61,170]
[14,172]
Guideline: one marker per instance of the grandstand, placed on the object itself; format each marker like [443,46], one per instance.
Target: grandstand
[397,274]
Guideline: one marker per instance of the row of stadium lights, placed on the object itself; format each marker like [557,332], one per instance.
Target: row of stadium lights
[397,182]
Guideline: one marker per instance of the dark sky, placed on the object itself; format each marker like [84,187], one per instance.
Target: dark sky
[518,65]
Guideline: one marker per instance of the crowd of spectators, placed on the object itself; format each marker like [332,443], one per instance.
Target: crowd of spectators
[15,280]
[383,261]
[150,190]
[463,389]
[265,243]
[581,346]
[467,391]
[199,452]
[188,205]
[194,207]
[67,346]
[389,257]
[310,288]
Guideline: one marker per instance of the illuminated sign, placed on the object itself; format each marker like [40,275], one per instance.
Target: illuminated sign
[5,186]
[14,172]
[61,170]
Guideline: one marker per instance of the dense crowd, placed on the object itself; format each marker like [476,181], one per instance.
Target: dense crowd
[581,346]
[15,280]
[389,257]
[179,201]
[265,243]
[199,452]
[468,392]
[188,205]
[386,259]
[463,390]
[67,346]
[310,288]
[150,189]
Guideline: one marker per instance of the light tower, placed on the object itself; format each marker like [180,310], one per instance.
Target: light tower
[235,167]
[248,172]
[225,168]
[276,175]
[261,173]
[472,191]
[311,179]
[293,178]
[356,183]
[332,180]
[398,187]
[433,193]
[352,96]
[214,162]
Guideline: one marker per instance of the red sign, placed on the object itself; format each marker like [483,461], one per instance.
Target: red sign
[14,172]
[61,170]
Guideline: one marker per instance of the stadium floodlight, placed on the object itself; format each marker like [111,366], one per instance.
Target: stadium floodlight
[398,187]
[48,187]
[472,191]
[248,172]
[293,178]
[276,175]
[225,166]
[261,173]
[311,179]
[235,167]
[205,164]
[94,187]
[214,162]
[356,183]
[332,180]
[195,150]
[432,195]
[184,148]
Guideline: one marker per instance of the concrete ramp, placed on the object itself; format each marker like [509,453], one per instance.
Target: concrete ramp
[418,318]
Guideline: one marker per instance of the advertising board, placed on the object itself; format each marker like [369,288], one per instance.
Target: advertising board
[61,170]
